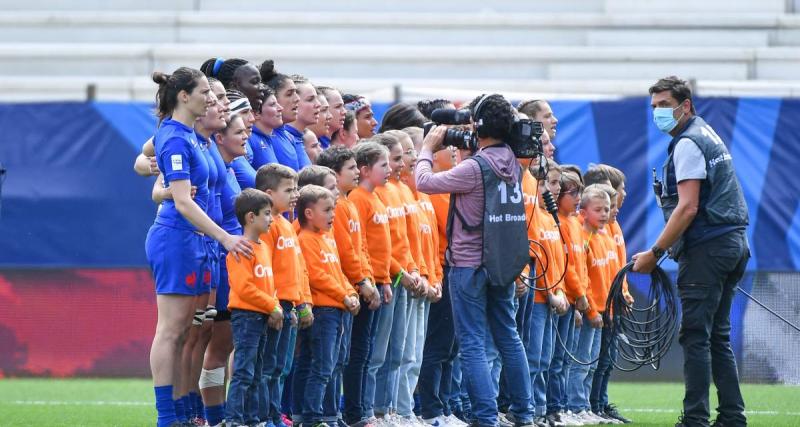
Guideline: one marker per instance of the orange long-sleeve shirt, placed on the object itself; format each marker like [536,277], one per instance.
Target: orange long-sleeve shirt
[615,231]
[401,253]
[351,241]
[287,261]
[251,281]
[576,279]
[328,283]
[530,194]
[429,237]
[441,207]
[598,267]
[550,239]
[375,223]
[413,221]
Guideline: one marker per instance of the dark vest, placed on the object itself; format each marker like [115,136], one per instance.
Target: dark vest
[721,206]
[505,236]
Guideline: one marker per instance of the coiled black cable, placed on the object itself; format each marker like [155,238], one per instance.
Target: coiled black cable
[645,330]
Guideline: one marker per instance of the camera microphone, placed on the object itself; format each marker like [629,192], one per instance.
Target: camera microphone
[449,116]
[550,205]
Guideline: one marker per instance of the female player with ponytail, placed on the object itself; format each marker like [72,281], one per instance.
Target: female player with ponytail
[174,245]
[286,147]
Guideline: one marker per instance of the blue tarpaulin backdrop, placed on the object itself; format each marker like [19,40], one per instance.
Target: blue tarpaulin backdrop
[71,198]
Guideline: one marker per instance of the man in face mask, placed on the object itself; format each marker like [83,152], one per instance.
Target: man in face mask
[706,217]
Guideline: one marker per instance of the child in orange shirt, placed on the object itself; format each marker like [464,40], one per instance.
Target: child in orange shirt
[551,295]
[342,172]
[405,271]
[421,234]
[280,183]
[254,306]
[440,348]
[595,207]
[372,161]
[575,282]
[333,297]
[617,257]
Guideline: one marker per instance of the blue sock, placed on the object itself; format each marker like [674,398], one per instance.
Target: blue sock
[165,406]
[188,403]
[180,410]
[215,414]
[197,404]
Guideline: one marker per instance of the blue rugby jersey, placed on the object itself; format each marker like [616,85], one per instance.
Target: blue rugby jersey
[179,157]
[260,145]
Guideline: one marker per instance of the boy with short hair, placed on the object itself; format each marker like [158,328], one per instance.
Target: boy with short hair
[280,183]
[318,175]
[332,296]
[617,256]
[254,307]
[551,295]
[595,208]
[351,245]
[372,160]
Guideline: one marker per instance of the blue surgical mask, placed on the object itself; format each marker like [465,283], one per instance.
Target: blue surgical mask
[664,120]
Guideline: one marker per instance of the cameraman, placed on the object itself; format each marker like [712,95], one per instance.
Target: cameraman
[487,250]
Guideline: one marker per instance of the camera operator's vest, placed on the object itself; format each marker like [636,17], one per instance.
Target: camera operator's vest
[505,237]
[721,206]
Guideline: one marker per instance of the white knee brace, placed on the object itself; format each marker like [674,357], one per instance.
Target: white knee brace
[212,378]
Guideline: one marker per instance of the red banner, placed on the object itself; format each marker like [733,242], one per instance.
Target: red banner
[76,322]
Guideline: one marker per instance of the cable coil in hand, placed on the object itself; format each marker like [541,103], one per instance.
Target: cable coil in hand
[643,335]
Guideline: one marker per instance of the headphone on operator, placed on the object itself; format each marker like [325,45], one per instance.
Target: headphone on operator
[477,120]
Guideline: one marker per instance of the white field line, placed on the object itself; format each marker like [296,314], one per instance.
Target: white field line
[142,403]
[79,402]
[677,411]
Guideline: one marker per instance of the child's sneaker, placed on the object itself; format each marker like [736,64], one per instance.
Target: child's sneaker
[611,411]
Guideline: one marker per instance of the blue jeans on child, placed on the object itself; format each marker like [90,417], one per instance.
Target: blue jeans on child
[580,375]
[278,343]
[387,377]
[598,397]
[540,352]
[355,369]
[382,330]
[483,309]
[412,356]
[440,350]
[333,392]
[559,366]
[249,339]
[326,340]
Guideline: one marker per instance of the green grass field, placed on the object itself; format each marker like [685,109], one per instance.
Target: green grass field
[129,402]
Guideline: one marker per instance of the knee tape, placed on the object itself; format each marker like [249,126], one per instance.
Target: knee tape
[199,316]
[212,378]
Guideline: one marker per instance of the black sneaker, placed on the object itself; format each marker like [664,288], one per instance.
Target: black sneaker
[612,411]
[541,422]
[554,419]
